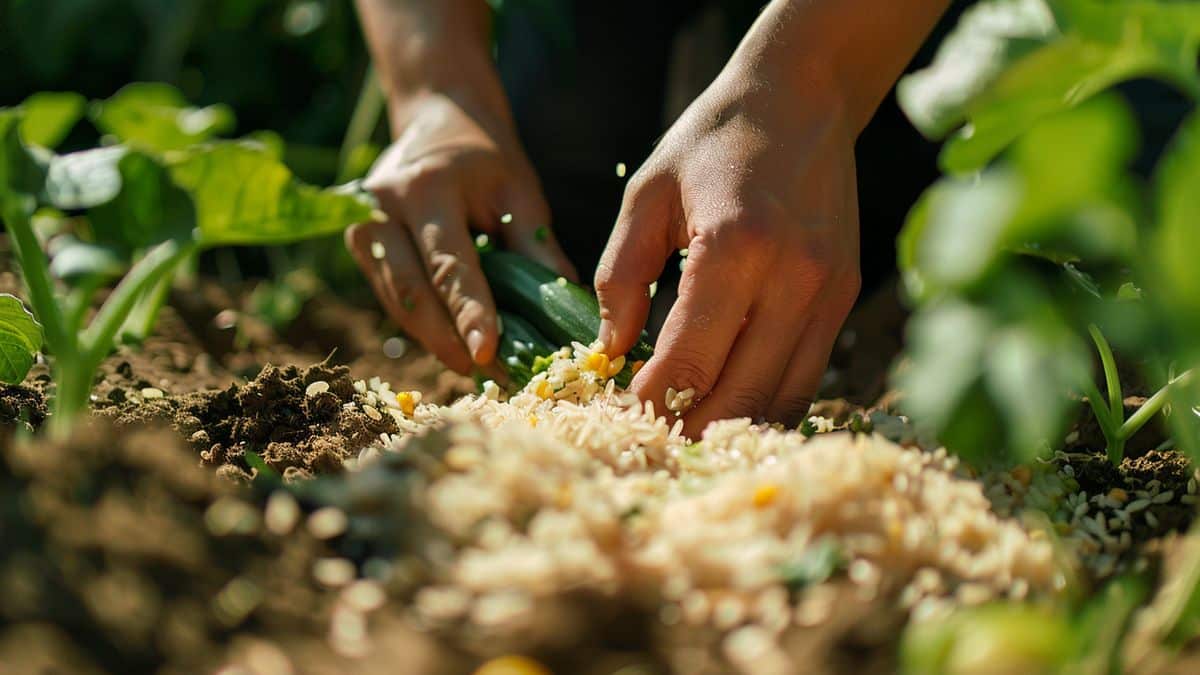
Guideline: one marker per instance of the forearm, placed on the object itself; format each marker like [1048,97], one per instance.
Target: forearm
[847,53]
[433,46]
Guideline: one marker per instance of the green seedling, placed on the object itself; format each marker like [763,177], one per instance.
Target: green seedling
[1110,412]
[157,210]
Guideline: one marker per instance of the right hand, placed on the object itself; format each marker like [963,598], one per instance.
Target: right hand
[453,167]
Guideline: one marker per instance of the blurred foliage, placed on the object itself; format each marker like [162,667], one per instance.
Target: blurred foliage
[290,66]
[1026,638]
[1041,228]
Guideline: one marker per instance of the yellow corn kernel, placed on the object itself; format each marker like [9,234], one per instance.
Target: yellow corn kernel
[637,365]
[1023,475]
[544,390]
[533,420]
[407,402]
[597,362]
[1118,495]
[512,665]
[765,495]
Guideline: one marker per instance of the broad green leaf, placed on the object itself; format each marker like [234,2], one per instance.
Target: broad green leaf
[999,638]
[1011,62]
[964,231]
[20,339]
[83,260]
[50,116]
[1172,261]
[989,36]
[243,195]
[946,346]
[83,180]
[1029,369]
[22,173]
[149,208]
[1054,78]
[155,117]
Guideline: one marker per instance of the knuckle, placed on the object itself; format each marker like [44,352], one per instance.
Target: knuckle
[748,401]
[686,370]
[791,408]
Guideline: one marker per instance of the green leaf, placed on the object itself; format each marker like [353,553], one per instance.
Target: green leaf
[989,36]
[963,233]
[82,260]
[83,180]
[20,339]
[155,117]
[1010,63]
[1029,369]
[149,208]
[946,348]
[1172,261]
[22,174]
[50,116]
[243,195]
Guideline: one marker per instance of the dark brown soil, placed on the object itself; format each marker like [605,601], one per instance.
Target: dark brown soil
[1172,470]
[272,415]
[121,554]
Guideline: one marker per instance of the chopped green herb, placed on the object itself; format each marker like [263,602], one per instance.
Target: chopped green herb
[818,563]
[542,233]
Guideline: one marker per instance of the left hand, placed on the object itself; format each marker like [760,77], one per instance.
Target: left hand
[759,185]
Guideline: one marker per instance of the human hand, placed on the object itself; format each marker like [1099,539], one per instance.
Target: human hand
[761,190]
[455,165]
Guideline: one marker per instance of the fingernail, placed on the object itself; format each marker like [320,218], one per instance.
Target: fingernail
[475,342]
[606,333]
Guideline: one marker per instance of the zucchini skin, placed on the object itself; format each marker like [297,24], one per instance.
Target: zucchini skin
[520,345]
[562,311]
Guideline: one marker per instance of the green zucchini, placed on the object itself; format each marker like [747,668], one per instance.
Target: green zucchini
[520,346]
[562,311]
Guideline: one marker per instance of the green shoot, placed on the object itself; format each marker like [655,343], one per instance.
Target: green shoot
[1117,430]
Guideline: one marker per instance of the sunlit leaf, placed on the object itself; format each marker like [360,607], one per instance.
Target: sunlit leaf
[82,180]
[1172,263]
[155,117]
[149,208]
[50,116]
[243,195]
[989,37]
[20,339]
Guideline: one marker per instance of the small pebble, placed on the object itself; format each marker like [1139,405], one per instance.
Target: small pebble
[282,513]
[372,412]
[150,393]
[318,387]
[333,572]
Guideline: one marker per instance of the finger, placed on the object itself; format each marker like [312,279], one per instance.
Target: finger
[802,377]
[633,259]
[389,260]
[525,223]
[438,226]
[754,369]
[715,294]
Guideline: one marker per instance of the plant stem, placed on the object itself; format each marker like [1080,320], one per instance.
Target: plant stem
[1112,379]
[36,271]
[141,319]
[1151,407]
[98,338]
[362,122]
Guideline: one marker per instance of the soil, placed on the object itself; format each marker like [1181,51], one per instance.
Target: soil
[121,554]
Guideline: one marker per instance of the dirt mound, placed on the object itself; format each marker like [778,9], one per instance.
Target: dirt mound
[300,421]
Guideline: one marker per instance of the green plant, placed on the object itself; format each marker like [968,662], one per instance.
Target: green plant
[149,204]
[1041,235]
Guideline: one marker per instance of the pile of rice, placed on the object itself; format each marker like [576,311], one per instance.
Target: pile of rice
[571,484]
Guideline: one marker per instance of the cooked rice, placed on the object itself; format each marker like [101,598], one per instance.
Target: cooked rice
[572,484]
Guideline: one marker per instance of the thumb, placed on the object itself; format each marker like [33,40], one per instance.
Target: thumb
[640,244]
